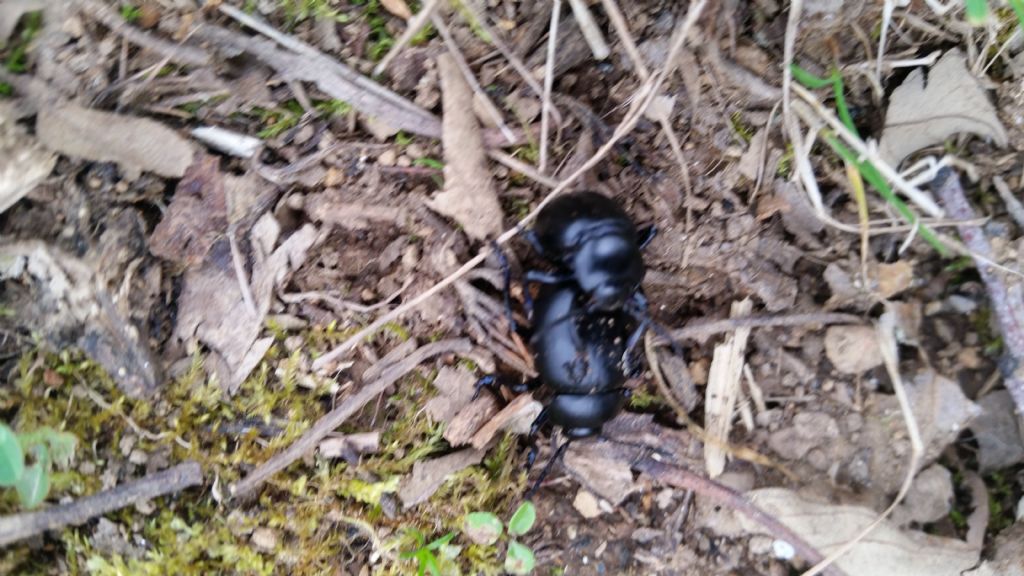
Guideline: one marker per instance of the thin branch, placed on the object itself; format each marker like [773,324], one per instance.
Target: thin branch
[591,31]
[1007,300]
[467,73]
[549,80]
[705,329]
[240,275]
[414,25]
[175,479]
[326,424]
[189,55]
[679,477]
[643,98]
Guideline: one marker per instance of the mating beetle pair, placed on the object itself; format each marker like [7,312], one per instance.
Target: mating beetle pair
[589,315]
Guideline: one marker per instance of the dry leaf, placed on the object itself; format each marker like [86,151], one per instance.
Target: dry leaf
[398,8]
[469,196]
[211,307]
[887,550]
[852,349]
[601,472]
[196,217]
[456,389]
[427,476]
[929,499]
[893,278]
[922,115]
[1008,558]
[135,144]
[23,163]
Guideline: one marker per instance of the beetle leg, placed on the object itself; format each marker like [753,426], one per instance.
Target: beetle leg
[628,366]
[542,277]
[647,235]
[524,387]
[534,241]
[547,468]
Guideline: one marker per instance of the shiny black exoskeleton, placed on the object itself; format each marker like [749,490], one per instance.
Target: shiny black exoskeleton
[578,356]
[594,244]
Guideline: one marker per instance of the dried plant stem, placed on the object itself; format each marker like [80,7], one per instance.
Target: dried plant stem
[1007,298]
[176,52]
[679,477]
[645,94]
[388,375]
[705,329]
[20,526]
[549,80]
[414,25]
[467,73]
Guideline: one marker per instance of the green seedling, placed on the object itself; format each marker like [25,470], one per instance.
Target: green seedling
[424,554]
[45,446]
[485,529]
[866,169]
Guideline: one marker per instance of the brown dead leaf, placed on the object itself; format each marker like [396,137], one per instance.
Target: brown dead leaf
[601,472]
[427,476]
[196,217]
[23,162]
[922,115]
[456,389]
[398,8]
[887,550]
[893,278]
[516,417]
[852,349]
[469,196]
[929,499]
[211,307]
[135,144]
[464,425]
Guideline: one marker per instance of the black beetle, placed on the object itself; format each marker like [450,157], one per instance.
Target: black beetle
[595,244]
[578,356]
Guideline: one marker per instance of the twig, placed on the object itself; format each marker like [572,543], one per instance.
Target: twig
[1007,301]
[170,481]
[705,329]
[240,275]
[413,26]
[523,168]
[339,304]
[176,52]
[506,51]
[305,63]
[591,31]
[467,73]
[1013,205]
[663,116]
[328,422]
[682,478]
[645,94]
[549,80]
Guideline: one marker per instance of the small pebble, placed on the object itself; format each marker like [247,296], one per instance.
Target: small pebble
[264,539]
[138,457]
[404,161]
[586,504]
[387,158]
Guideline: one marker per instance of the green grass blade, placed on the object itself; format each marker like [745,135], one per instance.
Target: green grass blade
[875,178]
[807,79]
[976,11]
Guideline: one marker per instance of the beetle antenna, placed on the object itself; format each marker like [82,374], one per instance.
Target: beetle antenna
[547,468]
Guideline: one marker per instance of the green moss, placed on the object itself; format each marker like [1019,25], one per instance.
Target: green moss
[740,128]
[17,55]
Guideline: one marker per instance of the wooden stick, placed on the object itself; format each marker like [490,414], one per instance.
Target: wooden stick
[687,480]
[175,479]
[327,423]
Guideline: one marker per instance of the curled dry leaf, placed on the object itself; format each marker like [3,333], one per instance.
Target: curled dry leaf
[923,114]
[196,217]
[469,196]
[601,471]
[135,144]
